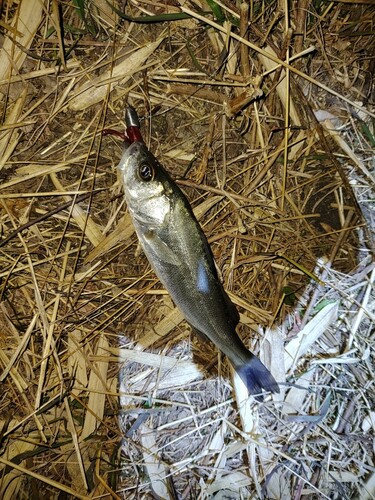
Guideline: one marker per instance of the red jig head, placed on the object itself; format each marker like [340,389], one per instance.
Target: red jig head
[132,132]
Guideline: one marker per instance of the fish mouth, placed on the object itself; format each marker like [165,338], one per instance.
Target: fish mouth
[129,146]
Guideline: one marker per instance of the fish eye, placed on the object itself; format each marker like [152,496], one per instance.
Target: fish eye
[146,172]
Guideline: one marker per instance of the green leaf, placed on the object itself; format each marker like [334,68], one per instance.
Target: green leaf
[160,18]
[84,14]
[367,133]
[216,10]
[80,8]
[289,296]
[322,304]
[50,31]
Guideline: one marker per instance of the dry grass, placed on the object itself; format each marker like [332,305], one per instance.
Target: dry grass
[265,115]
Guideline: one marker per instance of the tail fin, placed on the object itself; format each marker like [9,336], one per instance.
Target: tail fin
[256,376]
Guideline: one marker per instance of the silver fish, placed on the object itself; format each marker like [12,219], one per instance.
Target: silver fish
[180,255]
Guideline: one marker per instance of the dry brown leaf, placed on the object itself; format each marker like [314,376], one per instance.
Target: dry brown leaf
[97,388]
[229,485]
[298,346]
[84,220]
[95,91]
[163,328]
[248,412]
[281,89]
[25,23]
[156,470]
[9,139]
[122,232]
[76,361]
[12,481]
[274,355]
[173,372]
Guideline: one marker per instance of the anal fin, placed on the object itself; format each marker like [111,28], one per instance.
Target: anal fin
[200,334]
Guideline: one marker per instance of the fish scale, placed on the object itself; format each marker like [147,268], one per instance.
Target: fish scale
[180,255]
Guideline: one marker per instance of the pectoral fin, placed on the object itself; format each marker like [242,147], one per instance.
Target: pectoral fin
[156,246]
